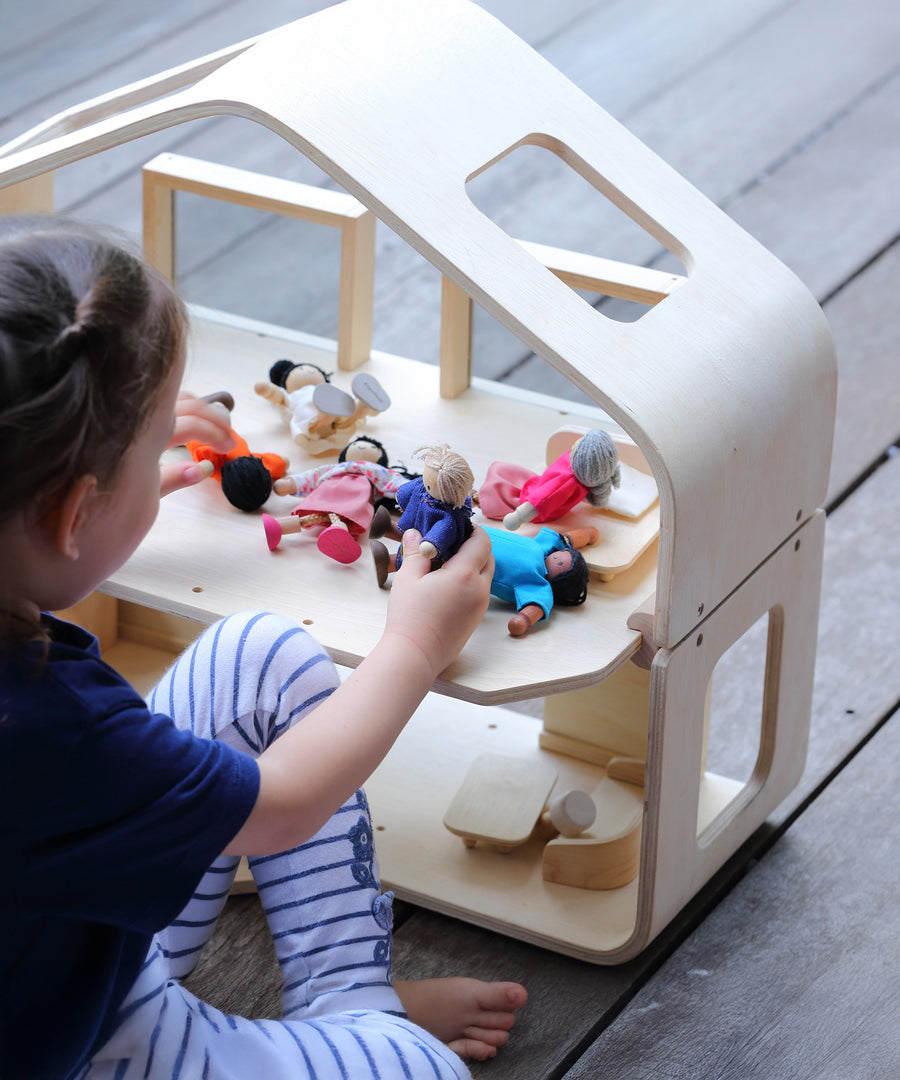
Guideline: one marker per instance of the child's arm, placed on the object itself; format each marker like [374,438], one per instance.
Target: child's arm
[316,766]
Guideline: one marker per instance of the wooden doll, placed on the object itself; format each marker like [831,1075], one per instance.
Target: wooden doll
[246,478]
[589,471]
[339,500]
[438,503]
[320,415]
[533,573]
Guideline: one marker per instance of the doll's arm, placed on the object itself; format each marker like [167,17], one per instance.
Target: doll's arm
[522,514]
[272,393]
[583,537]
[524,619]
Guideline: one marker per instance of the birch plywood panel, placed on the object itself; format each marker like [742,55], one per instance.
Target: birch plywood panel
[204,559]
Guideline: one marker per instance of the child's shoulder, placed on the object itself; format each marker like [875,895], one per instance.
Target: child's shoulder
[50,690]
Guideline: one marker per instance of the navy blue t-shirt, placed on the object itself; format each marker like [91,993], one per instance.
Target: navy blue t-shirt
[109,816]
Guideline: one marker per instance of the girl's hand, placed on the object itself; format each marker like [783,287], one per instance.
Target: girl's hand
[205,421]
[438,610]
[194,419]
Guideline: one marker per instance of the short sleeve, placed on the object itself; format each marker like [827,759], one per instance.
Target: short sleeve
[124,812]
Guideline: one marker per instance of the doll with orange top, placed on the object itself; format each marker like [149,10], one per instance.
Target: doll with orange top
[246,478]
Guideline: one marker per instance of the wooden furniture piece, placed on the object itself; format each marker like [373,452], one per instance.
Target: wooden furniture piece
[726,386]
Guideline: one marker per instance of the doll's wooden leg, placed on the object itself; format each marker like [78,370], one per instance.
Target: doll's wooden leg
[337,543]
[522,514]
[371,400]
[370,394]
[275,528]
[383,525]
[385,563]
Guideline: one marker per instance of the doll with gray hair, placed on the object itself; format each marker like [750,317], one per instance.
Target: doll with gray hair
[589,471]
[437,503]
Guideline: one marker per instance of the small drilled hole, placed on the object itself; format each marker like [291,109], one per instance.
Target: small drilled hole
[797,545]
[799,514]
[700,609]
[699,639]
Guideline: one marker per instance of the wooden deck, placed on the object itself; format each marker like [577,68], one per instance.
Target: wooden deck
[787,114]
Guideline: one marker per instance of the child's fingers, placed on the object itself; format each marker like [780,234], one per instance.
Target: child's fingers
[207,422]
[414,564]
[476,552]
[182,474]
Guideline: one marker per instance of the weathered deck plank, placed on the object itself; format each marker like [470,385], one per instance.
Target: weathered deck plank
[810,986]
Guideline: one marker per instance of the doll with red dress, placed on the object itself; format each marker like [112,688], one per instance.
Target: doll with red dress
[587,472]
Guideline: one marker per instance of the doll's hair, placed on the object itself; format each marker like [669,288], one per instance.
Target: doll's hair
[280,370]
[382,453]
[246,482]
[452,476]
[570,587]
[595,463]
[88,335]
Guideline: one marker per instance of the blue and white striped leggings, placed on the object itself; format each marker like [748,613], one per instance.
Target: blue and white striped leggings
[245,680]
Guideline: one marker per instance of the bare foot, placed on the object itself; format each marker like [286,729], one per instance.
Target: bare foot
[472,1017]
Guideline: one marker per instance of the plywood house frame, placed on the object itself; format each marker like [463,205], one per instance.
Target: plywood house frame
[727,384]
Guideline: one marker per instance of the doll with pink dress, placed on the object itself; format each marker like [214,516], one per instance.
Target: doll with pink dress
[587,472]
[338,500]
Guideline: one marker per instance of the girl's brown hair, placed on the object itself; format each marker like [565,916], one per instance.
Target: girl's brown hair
[88,334]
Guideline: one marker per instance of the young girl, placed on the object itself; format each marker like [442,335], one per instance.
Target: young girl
[121,822]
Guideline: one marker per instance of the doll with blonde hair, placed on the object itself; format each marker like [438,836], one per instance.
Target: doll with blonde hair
[438,504]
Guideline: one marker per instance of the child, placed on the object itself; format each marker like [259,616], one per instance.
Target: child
[122,822]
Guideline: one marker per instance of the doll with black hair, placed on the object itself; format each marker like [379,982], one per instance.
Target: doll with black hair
[339,499]
[246,478]
[533,573]
[321,415]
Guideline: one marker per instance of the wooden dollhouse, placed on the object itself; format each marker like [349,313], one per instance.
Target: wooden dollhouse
[722,393]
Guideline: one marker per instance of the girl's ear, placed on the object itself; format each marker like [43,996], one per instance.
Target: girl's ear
[65,522]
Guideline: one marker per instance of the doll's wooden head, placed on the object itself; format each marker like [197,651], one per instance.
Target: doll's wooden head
[290,376]
[364,448]
[447,476]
